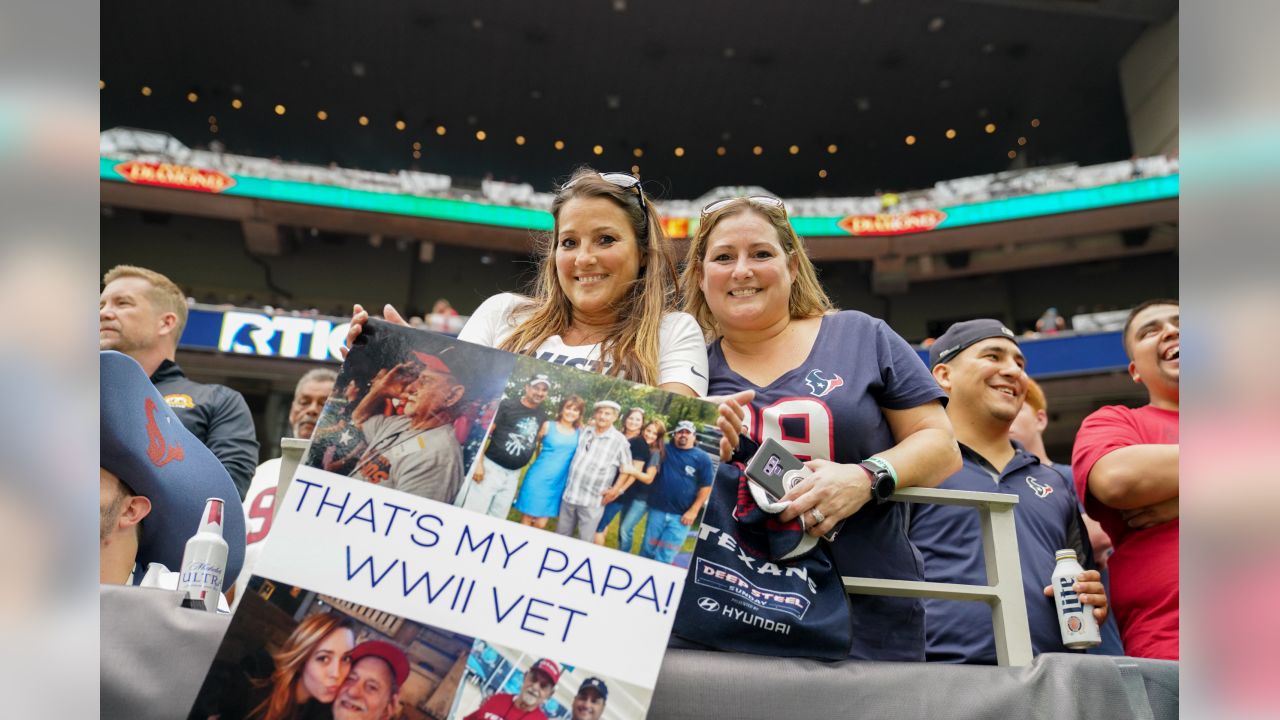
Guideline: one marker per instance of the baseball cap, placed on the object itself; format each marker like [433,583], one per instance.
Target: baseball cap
[608,404]
[963,334]
[595,683]
[540,379]
[143,443]
[387,652]
[686,425]
[449,361]
[548,668]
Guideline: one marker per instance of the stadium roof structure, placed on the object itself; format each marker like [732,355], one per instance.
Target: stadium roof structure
[806,99]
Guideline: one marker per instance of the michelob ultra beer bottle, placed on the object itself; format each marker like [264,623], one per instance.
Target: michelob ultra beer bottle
[1079,626]
[204,562]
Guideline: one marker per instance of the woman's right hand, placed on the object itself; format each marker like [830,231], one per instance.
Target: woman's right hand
[359,316]
[732,416]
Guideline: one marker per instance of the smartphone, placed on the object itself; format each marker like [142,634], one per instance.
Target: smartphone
[769,466]
[774,468]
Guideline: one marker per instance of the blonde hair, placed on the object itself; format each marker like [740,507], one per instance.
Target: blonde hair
[164,294]
[1035,396]
[290,660]
[630,346]
[808,299]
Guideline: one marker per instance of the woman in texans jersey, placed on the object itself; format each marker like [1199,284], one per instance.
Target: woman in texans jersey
[836,389]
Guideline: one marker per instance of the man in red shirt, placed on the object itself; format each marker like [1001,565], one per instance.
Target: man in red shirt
[1126,468]
[539,682]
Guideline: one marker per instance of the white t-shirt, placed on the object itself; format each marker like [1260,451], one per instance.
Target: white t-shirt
[682,352]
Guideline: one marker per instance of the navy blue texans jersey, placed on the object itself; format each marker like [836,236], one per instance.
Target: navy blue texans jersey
[830,408]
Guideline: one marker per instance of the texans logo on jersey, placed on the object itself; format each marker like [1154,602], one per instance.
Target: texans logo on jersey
[1040,489]
[820,386]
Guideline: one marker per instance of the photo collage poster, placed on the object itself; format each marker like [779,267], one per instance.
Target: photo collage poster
[459,509]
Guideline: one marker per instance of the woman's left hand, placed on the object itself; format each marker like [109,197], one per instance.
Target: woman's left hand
[835,490]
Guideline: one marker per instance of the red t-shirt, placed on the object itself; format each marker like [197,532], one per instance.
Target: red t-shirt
[502,706]
[1144,568]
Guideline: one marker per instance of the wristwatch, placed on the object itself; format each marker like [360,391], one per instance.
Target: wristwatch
[882,483]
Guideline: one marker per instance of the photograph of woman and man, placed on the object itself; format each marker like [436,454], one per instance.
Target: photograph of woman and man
[292,654]
[582,454]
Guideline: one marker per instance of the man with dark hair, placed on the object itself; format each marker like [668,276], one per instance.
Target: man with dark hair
[372,688]
[589,703]
[979,365]
[417,452]
[141,313]
[1126,470]
[512,441]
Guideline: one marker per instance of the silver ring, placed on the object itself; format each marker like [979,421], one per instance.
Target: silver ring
[818,517]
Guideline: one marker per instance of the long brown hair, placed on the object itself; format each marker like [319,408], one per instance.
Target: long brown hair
[808,299]
[290,661]
[659,442]
[630,346]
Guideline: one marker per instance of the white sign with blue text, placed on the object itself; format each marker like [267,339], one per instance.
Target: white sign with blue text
[537,591]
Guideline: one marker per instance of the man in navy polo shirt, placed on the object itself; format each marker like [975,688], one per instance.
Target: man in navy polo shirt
[979,365]
[677,495]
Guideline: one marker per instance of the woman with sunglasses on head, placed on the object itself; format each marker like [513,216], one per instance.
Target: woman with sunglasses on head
[838,389]
[604,300]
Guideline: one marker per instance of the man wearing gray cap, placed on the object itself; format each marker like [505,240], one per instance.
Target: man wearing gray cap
[602,450]
[979,365]
[677,495]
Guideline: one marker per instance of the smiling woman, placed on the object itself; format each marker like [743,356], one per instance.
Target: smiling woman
[310,668]
[604,299]
[839,389]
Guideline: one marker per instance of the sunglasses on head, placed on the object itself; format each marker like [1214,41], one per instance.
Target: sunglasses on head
[626,181]
[762,200]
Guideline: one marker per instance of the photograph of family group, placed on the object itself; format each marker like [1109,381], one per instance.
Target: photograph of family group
[585,455]
[293,654]
[596,458]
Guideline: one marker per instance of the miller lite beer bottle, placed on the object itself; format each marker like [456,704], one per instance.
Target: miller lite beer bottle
[1079,626]
[204,562]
